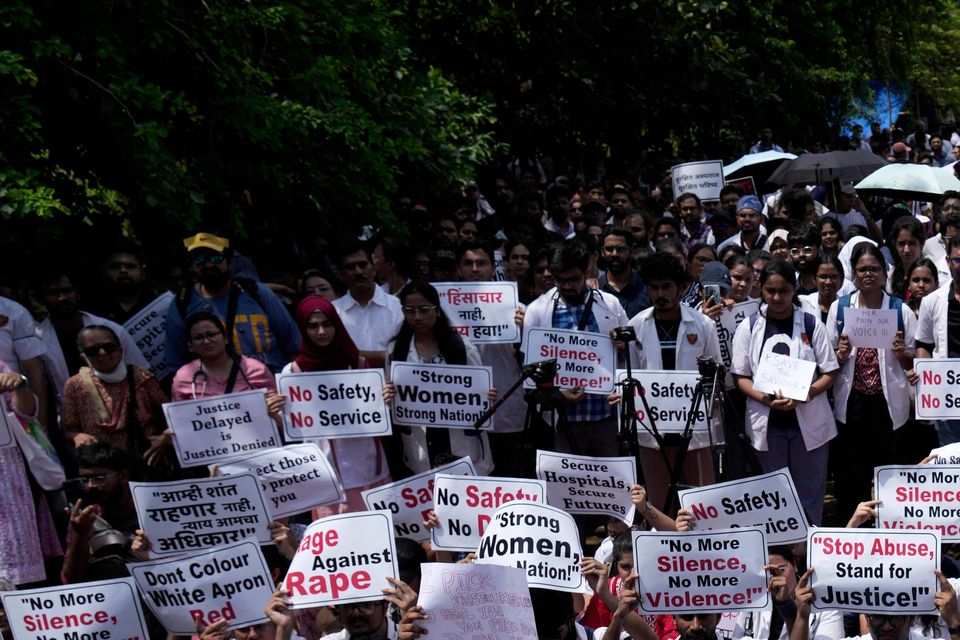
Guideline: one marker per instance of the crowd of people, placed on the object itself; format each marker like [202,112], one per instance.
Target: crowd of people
[592,257]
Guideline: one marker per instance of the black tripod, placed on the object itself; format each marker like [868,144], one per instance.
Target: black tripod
[544,398]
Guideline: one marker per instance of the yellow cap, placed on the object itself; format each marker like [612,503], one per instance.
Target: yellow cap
[206,241]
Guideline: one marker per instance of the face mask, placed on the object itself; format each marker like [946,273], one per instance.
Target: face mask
[117,375]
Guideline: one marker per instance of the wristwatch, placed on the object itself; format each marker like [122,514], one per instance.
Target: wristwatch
[23,382]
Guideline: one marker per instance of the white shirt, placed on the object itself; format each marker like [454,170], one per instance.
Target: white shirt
[374,325]
[552,227]
[932,321]
[815,417]
[57,365]
[19,335]
[895,386]
[826,625]
[847,219]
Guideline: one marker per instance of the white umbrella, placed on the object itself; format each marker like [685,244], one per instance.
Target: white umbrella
[757,166]
[908,182]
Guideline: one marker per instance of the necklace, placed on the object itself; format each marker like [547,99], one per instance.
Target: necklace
[667,333]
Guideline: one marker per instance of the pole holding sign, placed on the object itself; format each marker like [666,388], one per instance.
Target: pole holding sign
[581,484]
[102,610]
[294,478]
[148,328]
[888,572]
[585,360]
[440,395]
[769,502]
[709,572]
[334,404]
[922,497]
[464,506]
[938,389]
[481,311]
[703,179]
[229,583]
[212,430]
[410,500]
[540,539]
[188,515]
[343,558]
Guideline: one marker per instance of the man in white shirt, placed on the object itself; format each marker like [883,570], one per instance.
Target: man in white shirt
[371,316]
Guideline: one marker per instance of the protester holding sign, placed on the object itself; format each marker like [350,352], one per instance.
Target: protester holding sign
[572,305]
[672,336]
[872,395]
[325,345]
[785,432]
[426,337]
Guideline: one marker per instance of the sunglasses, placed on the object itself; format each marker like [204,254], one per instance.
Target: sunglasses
[216,258]
[108,348]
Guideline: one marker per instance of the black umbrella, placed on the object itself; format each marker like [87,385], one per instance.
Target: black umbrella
[819,168]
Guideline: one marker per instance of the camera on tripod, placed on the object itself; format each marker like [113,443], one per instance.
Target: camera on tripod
[542,373]
[624,334]
[712,375]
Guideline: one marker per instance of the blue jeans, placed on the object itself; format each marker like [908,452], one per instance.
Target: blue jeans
[785,449]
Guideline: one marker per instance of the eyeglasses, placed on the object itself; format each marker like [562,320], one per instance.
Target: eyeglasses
[879,620]
[94,350]
[212,258]
[470,264]
[950,207]
[98,478]
[422,310]
[616,250]
[209,336]
[807,251]
[868,271]
[363,608]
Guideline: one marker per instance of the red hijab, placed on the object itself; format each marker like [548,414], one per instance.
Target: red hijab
[342,353]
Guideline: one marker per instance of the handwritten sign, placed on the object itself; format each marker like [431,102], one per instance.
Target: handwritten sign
[343,558]
[872,571]
[294,478]
[476,600]
[410,500]
[581,484]
[938,390]
[709,572]
[481,311]
[791,377]
[212,430]
[464,506]
[440,395]
[584,359]
[668,395]
[922,497]
[769,502]
[93,610]
[334,404]
[948,454]
[871,328]
[188,515]
[540,539]
[705,179]
[229,583]
[727,325]
[148,328]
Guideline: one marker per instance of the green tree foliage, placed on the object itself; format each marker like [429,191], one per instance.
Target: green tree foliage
[230,112]
[674,76]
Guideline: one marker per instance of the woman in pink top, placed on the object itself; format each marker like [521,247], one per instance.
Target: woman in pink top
[218,370]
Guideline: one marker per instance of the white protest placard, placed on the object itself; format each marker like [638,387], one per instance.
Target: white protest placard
[938,389]
[581,484]
[343,558]
[476,600]
[229,583]
[540,539]
[481,311]
[727,325]
[704,179]
[584,359]
[668,395]
[874,571]
[334,404]
[709,572]
[188,515]
[90,611]
[769,502]
[948,454]
[148,328]
[791,377]
[6,435]
[294,478]
[211,430]
[410,500]
[921,497]
[871,328]
[440,395]
[465,505]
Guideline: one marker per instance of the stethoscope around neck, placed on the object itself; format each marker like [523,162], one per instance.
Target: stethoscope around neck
[206,377]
